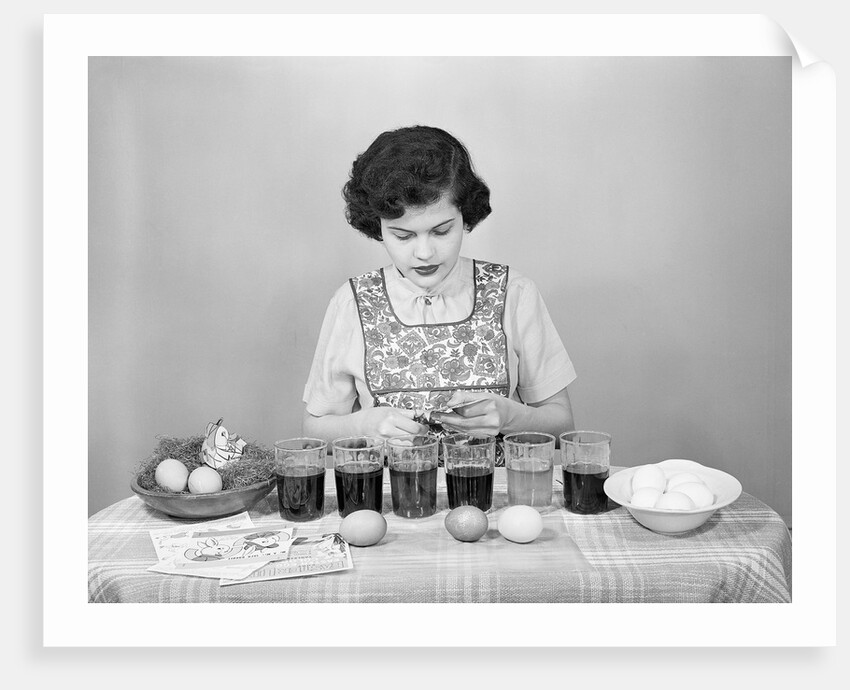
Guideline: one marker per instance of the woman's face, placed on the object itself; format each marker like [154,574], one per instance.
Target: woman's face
[424,243]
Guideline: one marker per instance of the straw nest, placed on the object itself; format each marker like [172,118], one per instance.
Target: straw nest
[255,465]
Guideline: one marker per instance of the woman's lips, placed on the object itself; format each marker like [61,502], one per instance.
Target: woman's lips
[426,270]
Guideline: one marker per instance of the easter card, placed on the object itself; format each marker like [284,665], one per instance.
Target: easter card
[231,547]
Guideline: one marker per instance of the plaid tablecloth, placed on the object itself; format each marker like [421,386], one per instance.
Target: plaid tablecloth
[742,554]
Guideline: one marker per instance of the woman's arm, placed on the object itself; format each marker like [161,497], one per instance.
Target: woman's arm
[498,414]
[373,421]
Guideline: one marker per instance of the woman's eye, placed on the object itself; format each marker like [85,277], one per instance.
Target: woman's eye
[403,238]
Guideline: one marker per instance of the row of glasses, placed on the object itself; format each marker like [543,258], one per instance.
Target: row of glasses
[585,459]
[413,461]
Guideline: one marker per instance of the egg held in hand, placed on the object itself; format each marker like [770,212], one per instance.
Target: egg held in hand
[363,527]
[172,475]
[204,480]
[467,523]
[521,524]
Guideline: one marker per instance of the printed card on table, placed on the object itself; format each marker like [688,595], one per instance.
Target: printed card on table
[308,555]
[250,545]
[168,540]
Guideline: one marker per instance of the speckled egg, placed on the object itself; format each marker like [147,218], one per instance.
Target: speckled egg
[467,523]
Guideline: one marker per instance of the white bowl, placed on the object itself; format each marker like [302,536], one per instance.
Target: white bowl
[725,488]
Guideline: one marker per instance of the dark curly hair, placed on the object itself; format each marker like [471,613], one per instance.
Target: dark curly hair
[409,167]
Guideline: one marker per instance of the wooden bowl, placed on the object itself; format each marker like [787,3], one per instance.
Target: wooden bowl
[212,505]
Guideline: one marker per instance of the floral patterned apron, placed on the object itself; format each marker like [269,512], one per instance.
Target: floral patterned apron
[418,367]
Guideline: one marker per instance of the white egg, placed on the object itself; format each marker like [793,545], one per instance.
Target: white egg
[681,478]
[698,492]
[648,475]
[204,480]
[520,524]
[172,475]
[645,497]
[675,501]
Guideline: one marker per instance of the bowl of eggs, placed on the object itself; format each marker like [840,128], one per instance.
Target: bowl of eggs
[204,506]
[673,496]
[176,481]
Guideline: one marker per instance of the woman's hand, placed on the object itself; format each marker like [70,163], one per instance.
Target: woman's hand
[387,422]
[476,413]
[492,414]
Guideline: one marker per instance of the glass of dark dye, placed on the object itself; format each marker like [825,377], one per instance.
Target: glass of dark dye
[412,462]
[359,473]
[470,463]
[586,458]
[299,469]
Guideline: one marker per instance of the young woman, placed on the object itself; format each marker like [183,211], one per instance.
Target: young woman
[404,347]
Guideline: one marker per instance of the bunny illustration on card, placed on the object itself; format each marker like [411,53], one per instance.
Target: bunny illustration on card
[239,546]
[209,550]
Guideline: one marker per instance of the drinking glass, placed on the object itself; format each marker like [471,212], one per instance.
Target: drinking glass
[359,473]
[529,459]
[299,468]
[470,462]
[586,457]
[412,460]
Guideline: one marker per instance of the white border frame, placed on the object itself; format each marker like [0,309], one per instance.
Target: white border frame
[810,620]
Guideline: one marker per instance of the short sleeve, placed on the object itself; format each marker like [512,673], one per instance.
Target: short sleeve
[331,387]
[543,365]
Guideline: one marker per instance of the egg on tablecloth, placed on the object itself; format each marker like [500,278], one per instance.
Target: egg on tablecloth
[466,523]
[363,527]
[520,524]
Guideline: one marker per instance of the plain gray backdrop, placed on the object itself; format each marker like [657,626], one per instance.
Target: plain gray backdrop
[649,199]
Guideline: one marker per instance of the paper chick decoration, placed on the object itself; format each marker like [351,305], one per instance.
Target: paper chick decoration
[219,447]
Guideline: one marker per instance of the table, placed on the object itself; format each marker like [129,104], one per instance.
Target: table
[742,554]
